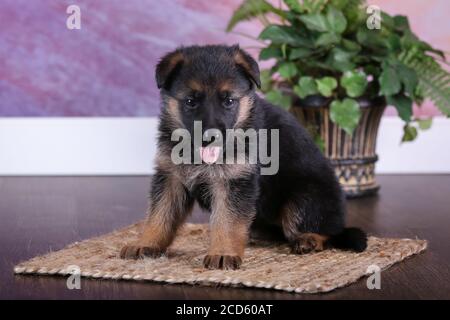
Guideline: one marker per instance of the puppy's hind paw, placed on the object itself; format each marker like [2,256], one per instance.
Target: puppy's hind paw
[222,262]
[139,252]
[308,242]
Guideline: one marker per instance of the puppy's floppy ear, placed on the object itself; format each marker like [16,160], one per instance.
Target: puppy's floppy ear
[247,64]
[167,67]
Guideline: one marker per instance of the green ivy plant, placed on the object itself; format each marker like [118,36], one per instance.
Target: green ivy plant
[324,47]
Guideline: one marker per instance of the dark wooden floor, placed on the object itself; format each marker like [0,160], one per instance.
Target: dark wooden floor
[42,214]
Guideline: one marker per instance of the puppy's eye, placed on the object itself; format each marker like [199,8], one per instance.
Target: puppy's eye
[190,103]
[229,103]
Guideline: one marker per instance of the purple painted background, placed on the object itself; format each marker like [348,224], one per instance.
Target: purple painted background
[106,68]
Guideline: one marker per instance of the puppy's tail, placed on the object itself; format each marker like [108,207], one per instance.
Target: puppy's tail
[349,239]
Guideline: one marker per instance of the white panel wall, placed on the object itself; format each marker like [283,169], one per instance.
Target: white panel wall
[127,146]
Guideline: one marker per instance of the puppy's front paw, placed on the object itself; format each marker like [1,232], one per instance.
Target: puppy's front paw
[222,262]
[308,242]
[140,252]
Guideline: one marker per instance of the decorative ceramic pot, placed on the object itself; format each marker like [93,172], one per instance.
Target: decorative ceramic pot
[353,156]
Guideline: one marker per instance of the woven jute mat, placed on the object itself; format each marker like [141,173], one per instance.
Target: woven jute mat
[265,265]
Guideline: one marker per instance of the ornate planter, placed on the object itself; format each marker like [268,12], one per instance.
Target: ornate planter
[353,156]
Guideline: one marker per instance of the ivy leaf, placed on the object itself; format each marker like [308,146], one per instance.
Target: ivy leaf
[340,59]
[299,53]
[288,70]
[345,114]
[281,35]
[409,133]
[408,77]
[326,85]
[401,22]
[403,104]
[354,82]
[279,99]
[351,45]
[393,42]
[266,80]
[336,20]
[283,51]
[306,87]
[389,81]
[425,124]
[270,52]
[327,39]
[371,38]
[387,20]
[315,22]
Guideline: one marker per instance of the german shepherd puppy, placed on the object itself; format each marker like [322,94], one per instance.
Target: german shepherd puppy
[303,202]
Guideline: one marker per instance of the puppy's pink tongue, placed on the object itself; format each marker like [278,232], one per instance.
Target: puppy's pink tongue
[209,154]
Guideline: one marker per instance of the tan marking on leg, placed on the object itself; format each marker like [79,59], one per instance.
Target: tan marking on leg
[228,233]
[166,215]
[228,236]
[164,218]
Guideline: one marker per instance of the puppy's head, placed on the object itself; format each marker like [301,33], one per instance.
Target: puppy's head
[211,84]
